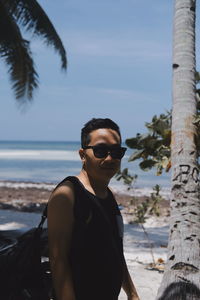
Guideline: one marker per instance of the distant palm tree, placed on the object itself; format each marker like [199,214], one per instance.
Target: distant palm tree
[15,50]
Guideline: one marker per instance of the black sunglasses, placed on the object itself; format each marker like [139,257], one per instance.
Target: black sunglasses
[115,152]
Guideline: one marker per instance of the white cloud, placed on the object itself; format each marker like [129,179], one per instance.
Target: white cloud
[89,93]
[121,47]
[105,46]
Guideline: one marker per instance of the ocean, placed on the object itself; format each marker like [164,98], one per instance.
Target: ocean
[50,162]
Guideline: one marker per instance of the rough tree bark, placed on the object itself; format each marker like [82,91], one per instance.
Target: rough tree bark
[181,279]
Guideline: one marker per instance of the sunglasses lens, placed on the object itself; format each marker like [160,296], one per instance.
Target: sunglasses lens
[118,153]
[100,152]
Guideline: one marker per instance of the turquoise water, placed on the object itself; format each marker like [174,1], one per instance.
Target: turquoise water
[32,161]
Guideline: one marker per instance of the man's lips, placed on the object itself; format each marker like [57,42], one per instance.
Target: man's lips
[108,167]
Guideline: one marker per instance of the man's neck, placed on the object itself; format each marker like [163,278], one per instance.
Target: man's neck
[97,187]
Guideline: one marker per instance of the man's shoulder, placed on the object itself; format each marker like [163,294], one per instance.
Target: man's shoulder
[64,191]
[65,184]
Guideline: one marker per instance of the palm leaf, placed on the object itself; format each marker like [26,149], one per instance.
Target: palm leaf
[31,15]
[17,55]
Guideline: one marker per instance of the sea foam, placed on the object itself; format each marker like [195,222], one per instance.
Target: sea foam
[116,188]
[40,155]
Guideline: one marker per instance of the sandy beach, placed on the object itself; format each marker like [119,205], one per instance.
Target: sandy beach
[21,207]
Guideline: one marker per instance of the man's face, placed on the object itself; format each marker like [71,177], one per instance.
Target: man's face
[106,167]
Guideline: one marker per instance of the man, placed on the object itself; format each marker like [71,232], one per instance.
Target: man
[84,223]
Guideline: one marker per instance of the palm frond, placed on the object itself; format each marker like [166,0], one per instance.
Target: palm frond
[16,53]
[32,16]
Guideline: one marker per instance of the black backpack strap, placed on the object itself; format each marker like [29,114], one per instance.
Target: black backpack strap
[43,217]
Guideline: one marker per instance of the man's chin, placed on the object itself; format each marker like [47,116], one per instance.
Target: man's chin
[109,172]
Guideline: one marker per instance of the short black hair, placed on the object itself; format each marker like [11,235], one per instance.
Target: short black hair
[97,123]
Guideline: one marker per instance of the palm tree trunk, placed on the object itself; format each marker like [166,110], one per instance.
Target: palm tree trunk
[181,279]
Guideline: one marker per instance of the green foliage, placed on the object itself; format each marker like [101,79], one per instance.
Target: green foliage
[149,207]
[147,164]
[154,146]
[152,149]
[127,178]
[197,77]
[141,211]
[155,199]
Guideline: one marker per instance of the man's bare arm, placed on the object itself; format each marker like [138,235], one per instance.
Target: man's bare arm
[60,226]
[128,285]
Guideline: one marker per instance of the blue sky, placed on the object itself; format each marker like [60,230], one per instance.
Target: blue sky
[119,66]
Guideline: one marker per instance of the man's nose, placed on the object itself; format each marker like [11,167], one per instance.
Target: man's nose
[108,157]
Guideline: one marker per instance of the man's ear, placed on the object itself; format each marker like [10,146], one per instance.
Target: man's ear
[82,154]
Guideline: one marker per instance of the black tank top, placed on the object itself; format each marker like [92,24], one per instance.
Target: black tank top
[96,254]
